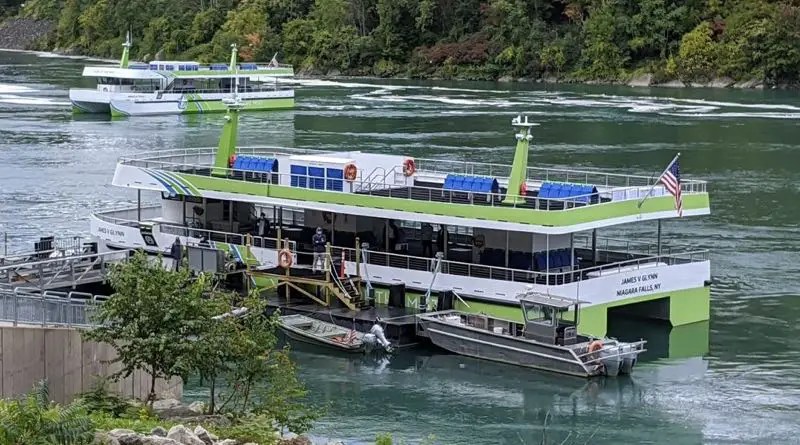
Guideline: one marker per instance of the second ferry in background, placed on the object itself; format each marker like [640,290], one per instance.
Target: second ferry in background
[179,87]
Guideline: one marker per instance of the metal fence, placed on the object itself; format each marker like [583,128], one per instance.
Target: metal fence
[62,309]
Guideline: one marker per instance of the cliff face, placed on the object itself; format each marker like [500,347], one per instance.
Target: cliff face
[23,33]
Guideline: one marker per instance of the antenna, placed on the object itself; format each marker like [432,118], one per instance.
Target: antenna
[525,127]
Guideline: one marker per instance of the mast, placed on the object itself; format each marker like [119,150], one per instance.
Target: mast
[123,62]
[232,66]
[520,166]
[226,149]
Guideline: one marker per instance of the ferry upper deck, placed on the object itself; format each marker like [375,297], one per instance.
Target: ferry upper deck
[552,200]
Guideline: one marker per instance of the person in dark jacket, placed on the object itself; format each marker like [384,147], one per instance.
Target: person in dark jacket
[318,241]
[440,238]
[176,252]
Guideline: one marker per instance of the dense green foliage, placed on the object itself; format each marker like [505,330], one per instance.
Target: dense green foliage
[173,323]
[35,420]
[609,40]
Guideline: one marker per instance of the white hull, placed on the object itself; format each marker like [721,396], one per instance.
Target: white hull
[179,103]
[86,100]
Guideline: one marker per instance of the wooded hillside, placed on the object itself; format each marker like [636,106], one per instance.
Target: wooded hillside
[606,40]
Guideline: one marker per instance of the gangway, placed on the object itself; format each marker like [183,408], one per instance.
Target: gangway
[65,272]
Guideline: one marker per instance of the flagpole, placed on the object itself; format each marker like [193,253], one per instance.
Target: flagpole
[658,180]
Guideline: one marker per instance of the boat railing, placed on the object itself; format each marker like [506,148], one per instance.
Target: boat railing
[601,179]
[387,189]
[130,217]
[261,88]
[198,162]
[609,245]
[612,351]
[550,174]
[555,277]
[241,239]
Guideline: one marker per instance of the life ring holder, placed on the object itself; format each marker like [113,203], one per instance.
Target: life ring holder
[409,167]
[350,172]
[285,258]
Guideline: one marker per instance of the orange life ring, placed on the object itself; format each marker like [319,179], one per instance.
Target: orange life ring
[350,172]
[285,258]
[595,346]
[523,189]
[409,167]
[231,161]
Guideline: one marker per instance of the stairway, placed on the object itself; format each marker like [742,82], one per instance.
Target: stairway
[351,296]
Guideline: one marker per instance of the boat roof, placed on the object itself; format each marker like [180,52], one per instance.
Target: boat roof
[549,300]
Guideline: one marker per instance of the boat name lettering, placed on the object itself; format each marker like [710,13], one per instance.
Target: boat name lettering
[111,232]
[639,284]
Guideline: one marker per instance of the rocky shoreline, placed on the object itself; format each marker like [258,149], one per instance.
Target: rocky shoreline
[174,412]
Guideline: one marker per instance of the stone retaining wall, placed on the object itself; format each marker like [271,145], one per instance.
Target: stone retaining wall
[70,365]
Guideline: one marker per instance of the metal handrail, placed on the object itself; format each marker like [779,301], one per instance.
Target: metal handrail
[493,199]
[581,274]
[62,309]
[426,165]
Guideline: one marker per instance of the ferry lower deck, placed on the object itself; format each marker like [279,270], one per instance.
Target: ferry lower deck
[485,269]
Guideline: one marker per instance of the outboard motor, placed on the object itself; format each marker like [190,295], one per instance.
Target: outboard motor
[377,332]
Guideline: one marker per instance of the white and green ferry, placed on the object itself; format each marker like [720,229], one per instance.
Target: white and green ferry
[501,230]
[181,87]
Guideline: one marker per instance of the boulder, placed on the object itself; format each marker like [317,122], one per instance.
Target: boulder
[158,440]
[294,439]
[166,404]
[125,437]
[158,431]
[505,79]
[228,442]
[184,436]
[197,407]
[204,435]
[102,438]
[643,80]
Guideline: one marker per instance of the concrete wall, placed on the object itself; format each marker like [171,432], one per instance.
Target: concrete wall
[70,365]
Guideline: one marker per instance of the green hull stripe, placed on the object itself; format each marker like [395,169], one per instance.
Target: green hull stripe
[554,218]
[686,307]
[195,106]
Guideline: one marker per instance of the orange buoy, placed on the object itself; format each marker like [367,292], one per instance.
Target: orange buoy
[285,258]
[350,172]
[595,346]
[409,168]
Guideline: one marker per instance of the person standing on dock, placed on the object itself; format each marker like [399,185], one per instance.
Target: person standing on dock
[318,241]
[176,252]
[440,236]
[262,229]
[427,240]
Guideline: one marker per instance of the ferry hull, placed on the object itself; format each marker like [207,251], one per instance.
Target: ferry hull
[89,101]
[198,104]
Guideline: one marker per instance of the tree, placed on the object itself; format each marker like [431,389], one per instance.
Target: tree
[152,318]
[696,56]
[262,379]
[34,420]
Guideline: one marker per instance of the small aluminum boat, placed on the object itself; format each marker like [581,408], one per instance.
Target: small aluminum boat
[547,340]
[321,333]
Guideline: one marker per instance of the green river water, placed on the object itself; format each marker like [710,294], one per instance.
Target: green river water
[730,381]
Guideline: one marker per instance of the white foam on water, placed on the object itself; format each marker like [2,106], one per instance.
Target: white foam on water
[372,98]
[333,83]
[8,88]
[765,115]
[463,101]
[20,100]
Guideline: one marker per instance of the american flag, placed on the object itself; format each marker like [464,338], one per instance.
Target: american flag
[672,182]
[350,338]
